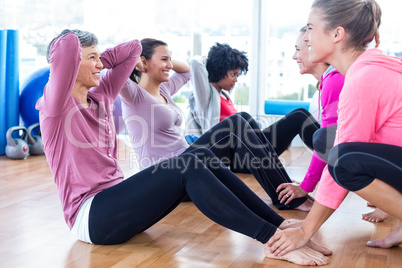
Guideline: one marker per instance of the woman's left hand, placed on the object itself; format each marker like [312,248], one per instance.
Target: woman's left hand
[290,191]
[287,240]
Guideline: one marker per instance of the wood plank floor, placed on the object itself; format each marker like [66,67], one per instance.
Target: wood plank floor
[34,234]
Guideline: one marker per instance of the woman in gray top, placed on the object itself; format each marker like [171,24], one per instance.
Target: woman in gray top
[213,79]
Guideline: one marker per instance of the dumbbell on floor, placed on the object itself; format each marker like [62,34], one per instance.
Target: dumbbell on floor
[17,148]
[35,140]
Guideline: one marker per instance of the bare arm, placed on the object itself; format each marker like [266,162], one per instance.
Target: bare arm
[180,66]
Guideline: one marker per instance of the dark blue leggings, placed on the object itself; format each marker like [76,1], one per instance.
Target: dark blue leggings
[124,210]
[239,143]
[355,165]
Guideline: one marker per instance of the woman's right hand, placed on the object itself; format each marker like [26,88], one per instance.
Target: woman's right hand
[290,191]
[287,240]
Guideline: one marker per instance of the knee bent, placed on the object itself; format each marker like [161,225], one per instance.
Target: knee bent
[239,119]
[245,115]
[320,141]
[203,151]
[345,169]
[301,110]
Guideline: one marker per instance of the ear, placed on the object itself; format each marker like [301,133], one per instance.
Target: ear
[144,60]
[339,34]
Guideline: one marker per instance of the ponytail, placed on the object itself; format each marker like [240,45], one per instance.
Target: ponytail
[360,18]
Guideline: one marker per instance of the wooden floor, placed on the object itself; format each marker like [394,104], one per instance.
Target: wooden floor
[34,234]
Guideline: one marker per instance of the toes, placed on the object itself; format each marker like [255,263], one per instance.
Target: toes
[375,244]
[379,244]
[319,248]
[375,217]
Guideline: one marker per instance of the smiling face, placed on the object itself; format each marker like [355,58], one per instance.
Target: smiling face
[301,55]
[230,80]
[159,65]
[319,40]
[90,67]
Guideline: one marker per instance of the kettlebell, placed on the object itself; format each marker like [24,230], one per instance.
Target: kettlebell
[17,148]
[35,141]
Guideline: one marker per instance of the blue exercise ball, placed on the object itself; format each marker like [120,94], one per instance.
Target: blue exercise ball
[32,90]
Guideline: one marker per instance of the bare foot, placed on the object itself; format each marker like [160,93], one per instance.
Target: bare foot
[392,240]
[306,206]
[290,223]
[319,248]
[370,205]
[376,216]
[300,256]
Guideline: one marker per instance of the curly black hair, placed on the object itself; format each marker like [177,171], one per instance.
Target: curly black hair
[222,58]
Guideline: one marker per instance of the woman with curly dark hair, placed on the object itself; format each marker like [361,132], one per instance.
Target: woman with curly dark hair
[153,122]
[102,207]
[214,77]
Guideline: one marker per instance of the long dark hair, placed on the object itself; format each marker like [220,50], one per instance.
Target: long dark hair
[148,49]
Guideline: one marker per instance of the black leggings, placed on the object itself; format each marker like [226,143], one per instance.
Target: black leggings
[355,165]
[239,143]
[298,122]
[130,207]
[323,141]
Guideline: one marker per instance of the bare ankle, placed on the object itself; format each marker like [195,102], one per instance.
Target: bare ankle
[306,206]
